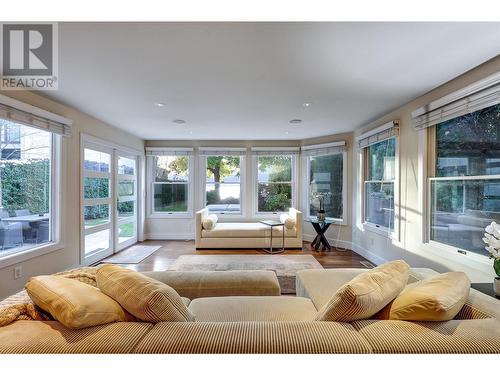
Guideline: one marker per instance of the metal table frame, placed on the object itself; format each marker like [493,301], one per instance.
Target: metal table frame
[271,224]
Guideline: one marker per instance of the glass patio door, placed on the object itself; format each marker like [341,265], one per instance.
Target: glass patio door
[109,201]
[97,202]
[126,200]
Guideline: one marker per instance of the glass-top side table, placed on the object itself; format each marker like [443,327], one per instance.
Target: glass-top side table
[271,224]
[320,226]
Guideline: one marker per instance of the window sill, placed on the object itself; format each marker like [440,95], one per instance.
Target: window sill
[183,215]
[23,256]
[481,266]
[380,230]
[452,251]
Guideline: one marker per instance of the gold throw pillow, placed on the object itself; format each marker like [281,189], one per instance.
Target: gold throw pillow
[73,303]
[438,298]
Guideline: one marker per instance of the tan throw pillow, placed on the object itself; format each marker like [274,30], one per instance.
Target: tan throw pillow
[367,293]
[438,298]
[210,221]
[287,221]
[147,299]
[73,303]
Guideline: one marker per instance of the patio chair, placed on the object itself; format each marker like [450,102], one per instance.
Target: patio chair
[11,235]
[28,233]
[4,213]
[43,232]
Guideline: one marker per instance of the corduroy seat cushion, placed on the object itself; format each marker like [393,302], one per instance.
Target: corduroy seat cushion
[453,336]
[197,284]
[31,337]
[253,337]
[238,309]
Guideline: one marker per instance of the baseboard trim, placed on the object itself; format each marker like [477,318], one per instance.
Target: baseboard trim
[375,259]
[169,236]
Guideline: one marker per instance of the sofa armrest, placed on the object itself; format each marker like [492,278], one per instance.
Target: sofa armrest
[298,217]
[199,216]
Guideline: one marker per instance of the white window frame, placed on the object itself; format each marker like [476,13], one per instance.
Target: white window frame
[429,171]
[475,96]
[306,165]
[55,210]
[135,198]
[150,165]
[203,175]
[377,228]
[255,184]
[87,143]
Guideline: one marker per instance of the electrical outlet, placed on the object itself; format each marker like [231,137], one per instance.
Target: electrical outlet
[18,272]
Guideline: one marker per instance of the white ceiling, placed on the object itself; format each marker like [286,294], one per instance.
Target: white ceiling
[247,80]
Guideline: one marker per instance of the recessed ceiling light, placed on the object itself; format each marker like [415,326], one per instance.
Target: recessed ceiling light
[160,104]
[287,132]
[295,121]
[179,122]
[306,104]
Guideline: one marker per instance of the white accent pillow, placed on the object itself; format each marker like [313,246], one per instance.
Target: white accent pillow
[210,221]
[288,221]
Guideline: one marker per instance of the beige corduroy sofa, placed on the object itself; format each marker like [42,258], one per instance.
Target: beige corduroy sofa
[246,235]
[268,324]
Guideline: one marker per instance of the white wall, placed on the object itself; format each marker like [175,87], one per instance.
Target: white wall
[379,248]
[69,254]
[172,228]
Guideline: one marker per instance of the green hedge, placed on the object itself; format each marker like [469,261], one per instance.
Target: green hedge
[25,185]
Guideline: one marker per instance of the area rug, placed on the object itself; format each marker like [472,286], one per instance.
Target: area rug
[132,255]
[285,266]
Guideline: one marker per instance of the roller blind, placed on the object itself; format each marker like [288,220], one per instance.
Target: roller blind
[275,151]
[169,151]
[25,114]
[324,149]
[479,95]
[222,151]
[386,131]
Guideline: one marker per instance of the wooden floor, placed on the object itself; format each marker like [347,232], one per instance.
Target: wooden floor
[170,250]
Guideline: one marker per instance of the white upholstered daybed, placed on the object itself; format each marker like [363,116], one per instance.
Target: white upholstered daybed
[246,235]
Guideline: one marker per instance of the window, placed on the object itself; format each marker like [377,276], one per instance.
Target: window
[171,179]
[465,178]
[25,187]
[274,183]
[223,184]
[379,156]
[326,177]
